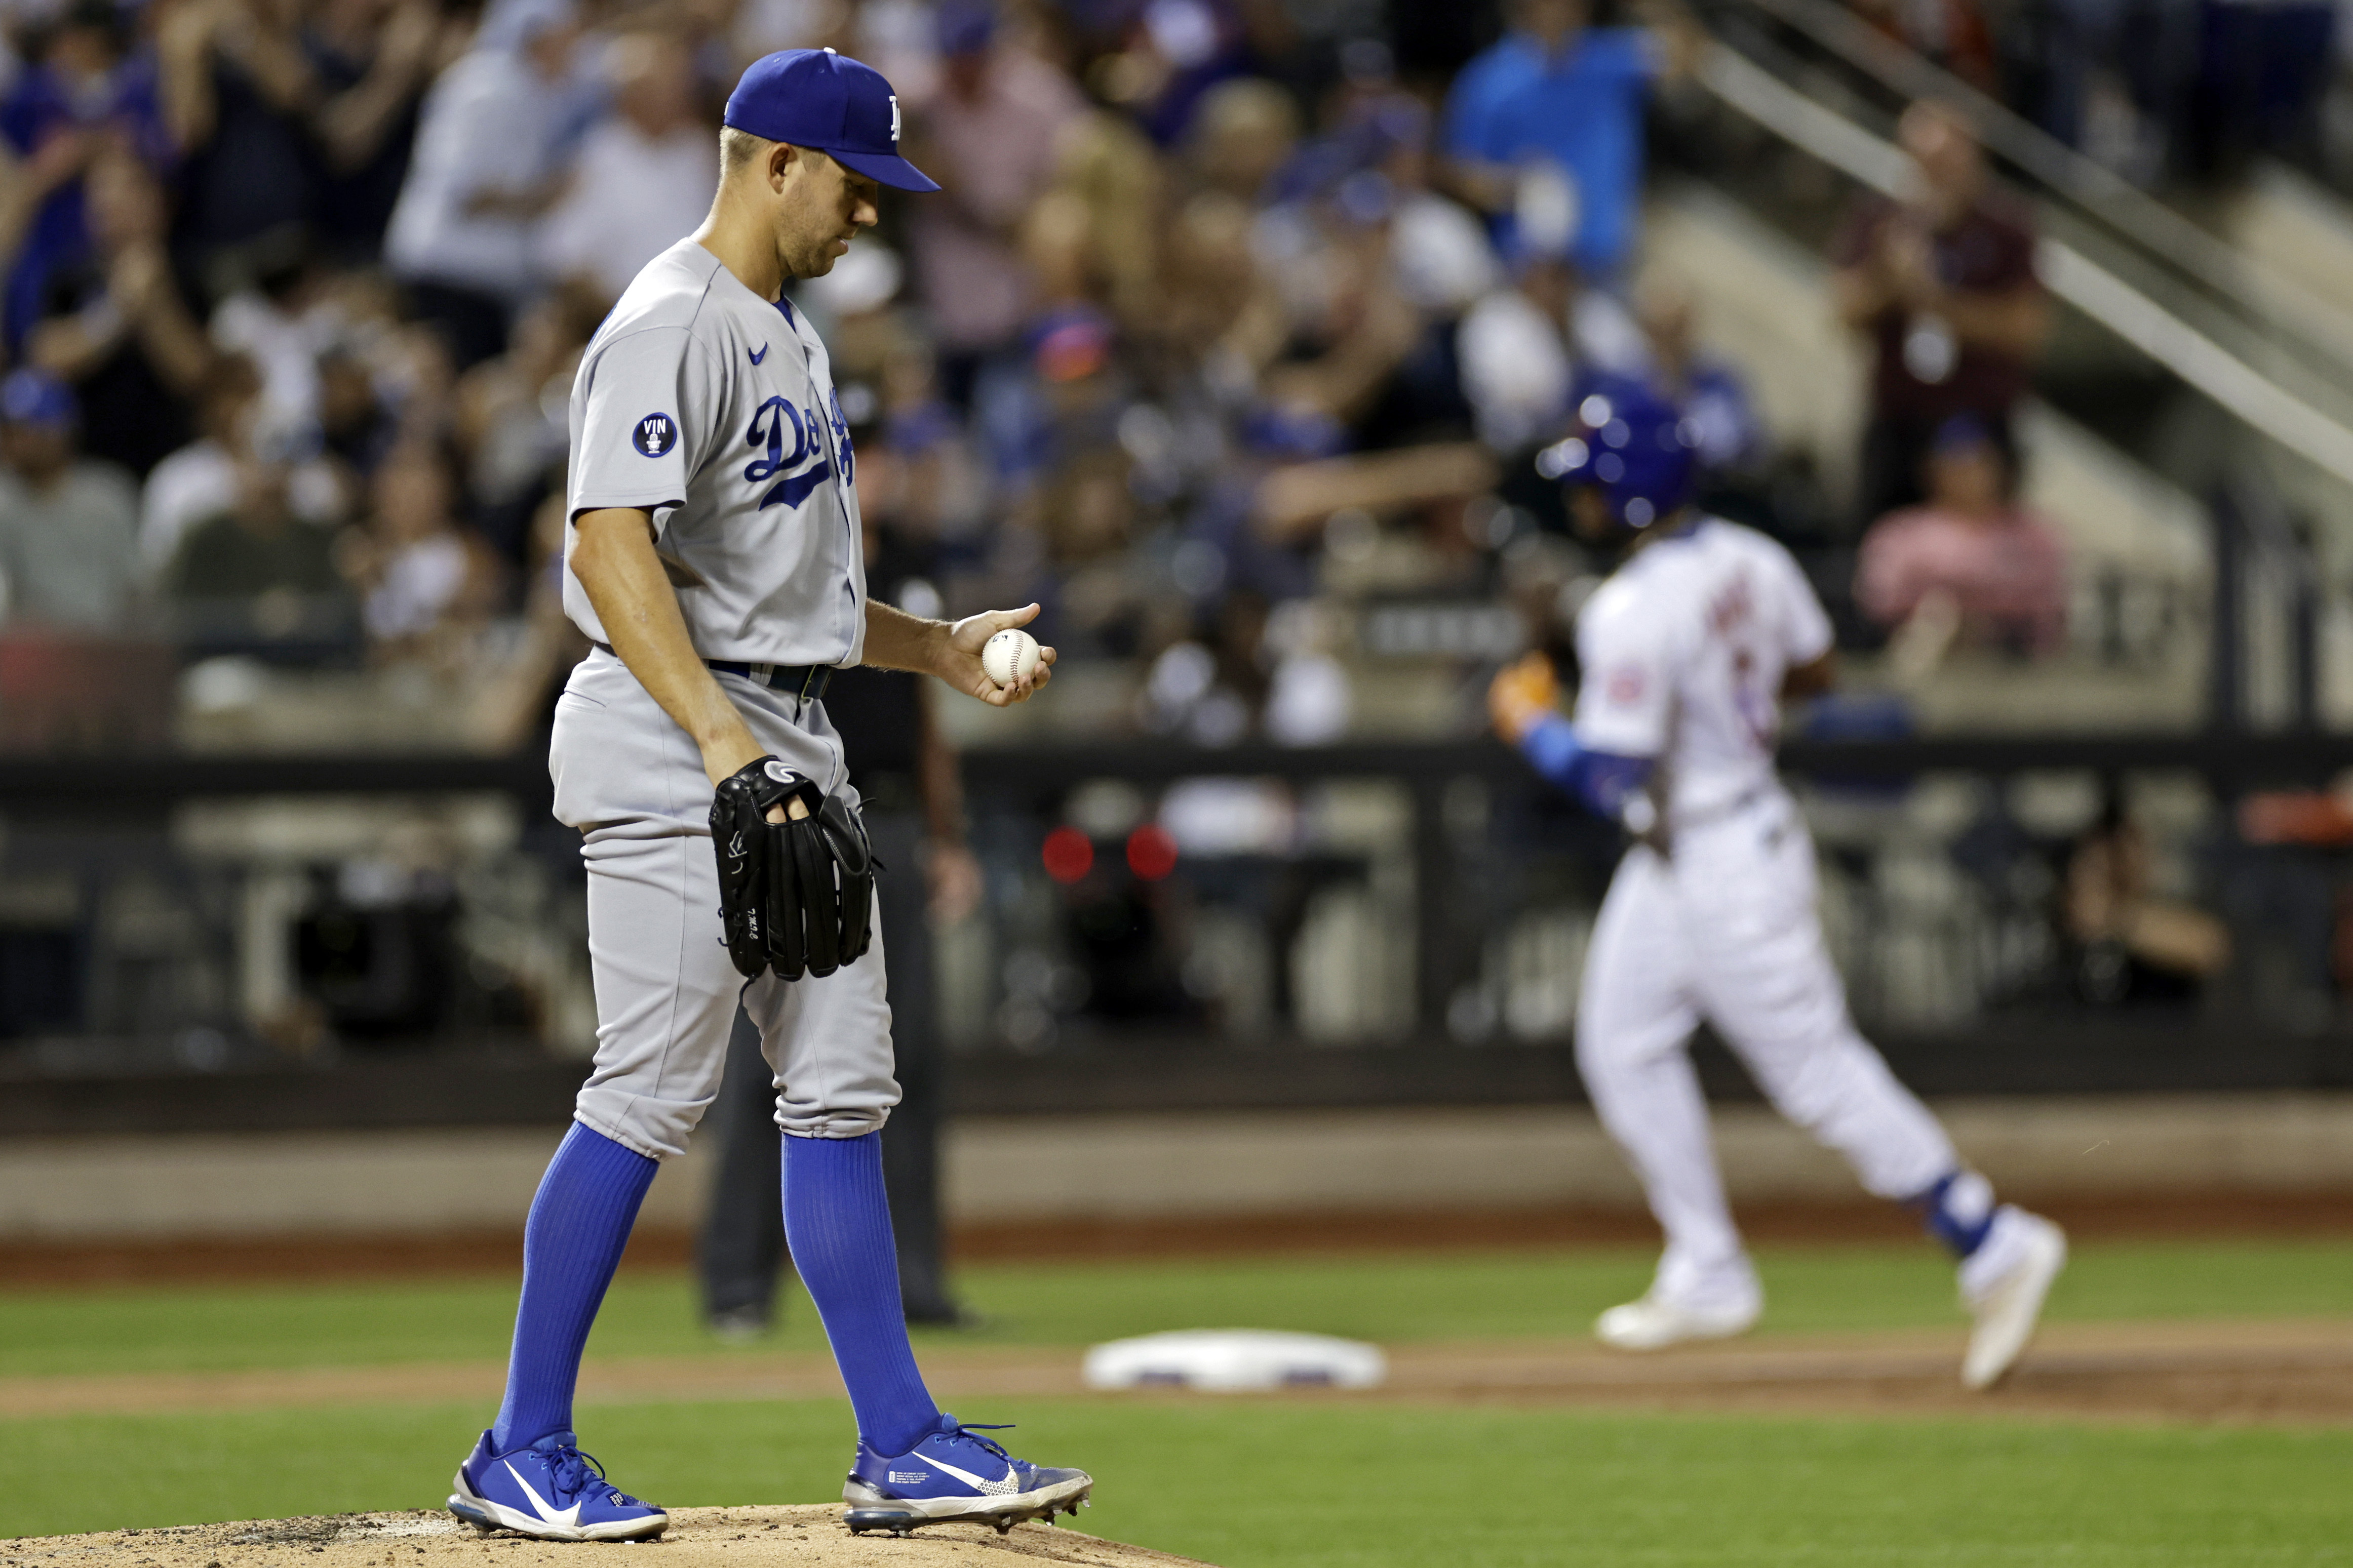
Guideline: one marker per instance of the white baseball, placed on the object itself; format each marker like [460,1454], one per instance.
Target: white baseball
[1009,656]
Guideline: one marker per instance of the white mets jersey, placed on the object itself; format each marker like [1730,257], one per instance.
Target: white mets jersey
[1683,652]
[715,410]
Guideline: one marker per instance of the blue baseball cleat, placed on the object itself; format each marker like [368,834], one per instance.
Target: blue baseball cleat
[955,1475]
[551,1491]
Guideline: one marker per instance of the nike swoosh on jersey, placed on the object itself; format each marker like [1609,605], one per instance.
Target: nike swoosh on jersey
[570,1516]
[796,490]
[761,355]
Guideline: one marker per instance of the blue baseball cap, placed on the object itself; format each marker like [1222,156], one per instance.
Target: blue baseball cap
[1631,444]
[838,106]
[31,396]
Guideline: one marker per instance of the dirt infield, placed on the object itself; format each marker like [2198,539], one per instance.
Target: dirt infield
[2279,1372]
[2267,1372]
[27,1263]
[806,1537]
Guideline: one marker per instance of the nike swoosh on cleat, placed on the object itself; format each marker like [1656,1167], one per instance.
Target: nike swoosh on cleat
[761,355]
[1003,1487]
[569,1517]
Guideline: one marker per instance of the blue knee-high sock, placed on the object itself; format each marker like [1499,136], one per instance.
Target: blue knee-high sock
[571,1244]
[839,1228]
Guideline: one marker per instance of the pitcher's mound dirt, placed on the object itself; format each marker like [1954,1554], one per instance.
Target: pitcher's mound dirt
[806,1537]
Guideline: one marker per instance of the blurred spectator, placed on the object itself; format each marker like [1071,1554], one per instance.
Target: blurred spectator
[355,428]
[642,179]
[1562,103]
[115,323]
[199,481]
[1357,227]
[1350,329]
[1952,33]
[1111,169]
[371,61]
[279,313]
[2134,944]
[294,113]
[86,87]
[1174,53]
[1522,348]
[1971,565]
[1724,424]
[488,151]
[426,586]
[1220,312]
[257,572]
[68,525]
[898,37]
[1244,131]
[994,128]
[510,414]
[1443,261]
[1944,285]
[274,123]
[517,686]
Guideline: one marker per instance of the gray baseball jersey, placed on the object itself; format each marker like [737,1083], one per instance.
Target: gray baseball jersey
[715,410]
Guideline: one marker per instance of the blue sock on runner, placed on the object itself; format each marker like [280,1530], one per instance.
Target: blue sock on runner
[571,1244]
[1957,1210]
[837,1224]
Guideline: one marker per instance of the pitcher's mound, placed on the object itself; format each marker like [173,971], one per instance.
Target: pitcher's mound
[805,1537]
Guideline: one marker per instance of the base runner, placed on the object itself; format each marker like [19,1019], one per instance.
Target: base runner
[1686,653]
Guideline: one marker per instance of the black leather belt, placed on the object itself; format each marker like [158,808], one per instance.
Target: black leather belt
[804,681]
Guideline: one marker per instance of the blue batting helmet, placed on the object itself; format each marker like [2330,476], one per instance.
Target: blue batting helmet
[1630,444]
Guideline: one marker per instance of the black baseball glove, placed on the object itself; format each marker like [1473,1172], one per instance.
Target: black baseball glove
[796,897]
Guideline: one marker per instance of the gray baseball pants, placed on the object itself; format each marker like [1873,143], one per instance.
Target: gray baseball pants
[631,780]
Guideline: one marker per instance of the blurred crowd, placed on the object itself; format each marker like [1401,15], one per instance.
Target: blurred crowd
[1241,337]
[1232,314]
[2157,91]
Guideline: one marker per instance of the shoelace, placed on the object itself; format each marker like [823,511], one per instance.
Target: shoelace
[571,1469]
[972,1434]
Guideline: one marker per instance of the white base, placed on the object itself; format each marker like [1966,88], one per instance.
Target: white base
[1235,1361]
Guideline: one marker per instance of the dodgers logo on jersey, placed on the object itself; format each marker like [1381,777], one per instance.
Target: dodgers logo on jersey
[655,434]
[769,421]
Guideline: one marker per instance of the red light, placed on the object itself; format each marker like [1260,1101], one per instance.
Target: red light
[1151,853]
[1067,855]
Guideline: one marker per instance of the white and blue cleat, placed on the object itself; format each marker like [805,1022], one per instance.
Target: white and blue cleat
[550,1491]
[956,1476]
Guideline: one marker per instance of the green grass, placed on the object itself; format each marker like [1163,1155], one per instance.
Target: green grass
[1390,1299]
[1253,1483]
[1256,1484]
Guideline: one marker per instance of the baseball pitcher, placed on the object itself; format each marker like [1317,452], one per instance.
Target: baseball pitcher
[715,559]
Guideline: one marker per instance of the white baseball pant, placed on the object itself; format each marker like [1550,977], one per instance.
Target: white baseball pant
[1725,929]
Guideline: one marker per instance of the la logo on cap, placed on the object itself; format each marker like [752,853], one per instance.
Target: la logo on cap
[894,119]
